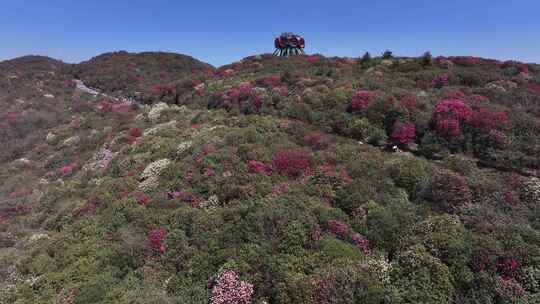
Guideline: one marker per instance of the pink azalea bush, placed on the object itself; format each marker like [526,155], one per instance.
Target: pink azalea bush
[135,132]
[66,170]
[440,81]
[361,100]
[361,242]
[449,115]
[293,163]
[157,240]
[258,167]
[228,289]
[338,228]
[403,133]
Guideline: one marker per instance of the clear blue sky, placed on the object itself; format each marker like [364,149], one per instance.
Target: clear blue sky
[222,31]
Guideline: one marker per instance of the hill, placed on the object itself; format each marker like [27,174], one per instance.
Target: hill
[273,180]
[137,74]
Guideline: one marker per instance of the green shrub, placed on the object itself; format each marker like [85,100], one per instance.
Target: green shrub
[410,174]
[335,250]
[446,238]
[362,129]
[421,278]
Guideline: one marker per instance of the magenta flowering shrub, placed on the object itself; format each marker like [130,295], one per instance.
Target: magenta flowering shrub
[66,170]
[361,242]
[135,132]
[228,289]
[449,116]
[242,97]
[454,108]
[258,167]
[255,104]
[440,81]
[293,163]
[157,240]
[245,89]
[507,267]
[338,228]
[233,94]
[11,117]
[361,100]
[403,133]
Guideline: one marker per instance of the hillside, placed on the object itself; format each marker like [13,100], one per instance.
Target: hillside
[137,75]
[270,180]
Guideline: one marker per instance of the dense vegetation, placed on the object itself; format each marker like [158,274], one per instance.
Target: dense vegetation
[271,180]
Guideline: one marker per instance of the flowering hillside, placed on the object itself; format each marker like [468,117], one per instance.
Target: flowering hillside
[270,180]
[137,75]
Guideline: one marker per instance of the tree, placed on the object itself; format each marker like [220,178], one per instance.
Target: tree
[387,55]
[366,60]
[426,59]
[421,277]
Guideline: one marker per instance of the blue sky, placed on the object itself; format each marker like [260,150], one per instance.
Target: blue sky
[221,32]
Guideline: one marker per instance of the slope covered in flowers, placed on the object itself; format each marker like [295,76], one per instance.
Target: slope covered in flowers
[272,180]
